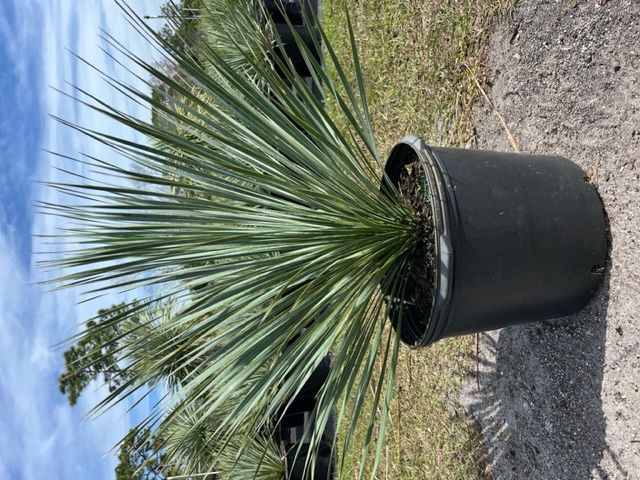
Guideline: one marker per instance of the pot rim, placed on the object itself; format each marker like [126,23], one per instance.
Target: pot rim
[405,151]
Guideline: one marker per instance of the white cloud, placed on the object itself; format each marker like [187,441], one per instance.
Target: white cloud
[41,433]
[60,66]
[17,38]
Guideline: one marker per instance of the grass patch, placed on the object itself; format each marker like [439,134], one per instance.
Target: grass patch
[428,434]
[420,59]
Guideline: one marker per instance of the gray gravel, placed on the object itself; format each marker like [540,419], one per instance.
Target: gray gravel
[560,399]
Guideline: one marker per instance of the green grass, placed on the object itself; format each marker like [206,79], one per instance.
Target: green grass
[421,59]
[428,434]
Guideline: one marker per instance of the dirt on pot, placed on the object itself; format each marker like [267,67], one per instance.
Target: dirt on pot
[560,399]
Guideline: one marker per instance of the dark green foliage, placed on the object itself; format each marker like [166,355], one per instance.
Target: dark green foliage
[95,355]
[127,469]
[180,31]
[182,21]
[140,459]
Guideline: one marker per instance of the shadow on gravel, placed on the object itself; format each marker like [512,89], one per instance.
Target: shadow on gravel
[537,396]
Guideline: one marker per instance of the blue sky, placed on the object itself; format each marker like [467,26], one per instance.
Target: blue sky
[41,436]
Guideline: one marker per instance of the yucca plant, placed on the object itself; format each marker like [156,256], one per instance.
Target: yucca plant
[153,335]
[239,32]
[191,443]
[261,458]
[276,254]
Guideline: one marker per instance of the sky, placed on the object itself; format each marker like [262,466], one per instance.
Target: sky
[41,435]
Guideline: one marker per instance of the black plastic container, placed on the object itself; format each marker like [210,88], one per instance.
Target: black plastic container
[519,238]
[322,470]
[292,430]
[308,35]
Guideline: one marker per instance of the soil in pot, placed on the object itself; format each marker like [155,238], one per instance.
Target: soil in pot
[420,289]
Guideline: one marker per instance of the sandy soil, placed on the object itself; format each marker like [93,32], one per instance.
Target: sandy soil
[560,399]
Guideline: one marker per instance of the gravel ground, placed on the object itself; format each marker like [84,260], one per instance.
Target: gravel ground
[560,399]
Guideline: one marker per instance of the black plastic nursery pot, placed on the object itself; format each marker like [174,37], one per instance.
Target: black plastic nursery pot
[292,432]
[517,238]
[296,463]
[308,35]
